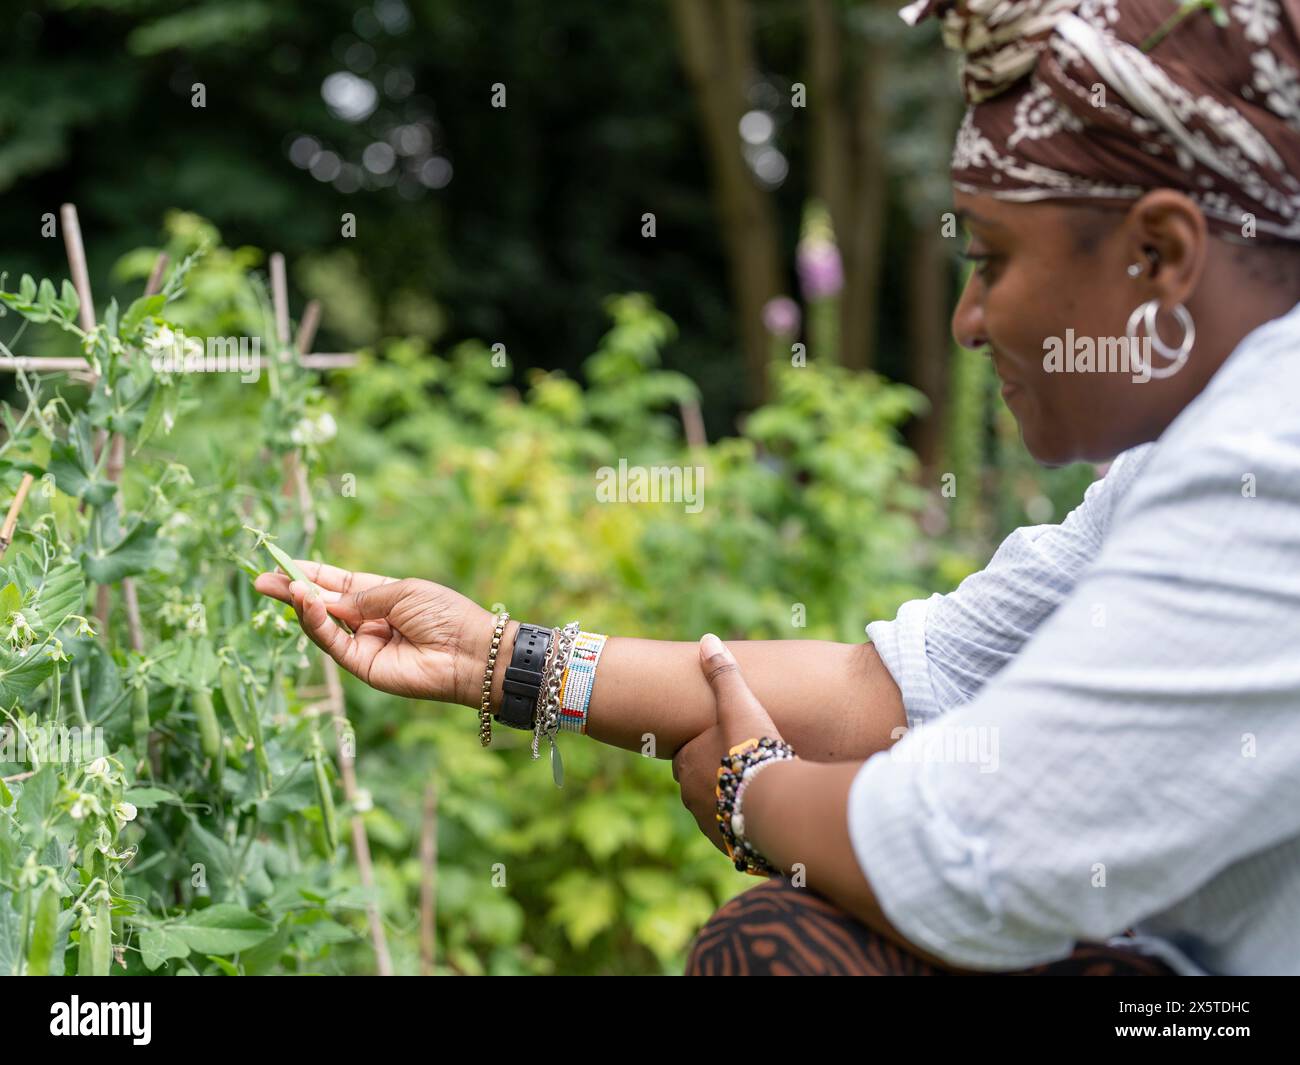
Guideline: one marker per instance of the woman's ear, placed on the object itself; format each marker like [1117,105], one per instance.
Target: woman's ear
[1168,230]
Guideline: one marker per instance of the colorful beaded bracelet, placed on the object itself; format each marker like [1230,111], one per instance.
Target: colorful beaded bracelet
[579,679]
[738,765]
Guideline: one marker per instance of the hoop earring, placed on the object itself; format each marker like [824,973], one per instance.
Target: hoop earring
[1177,356]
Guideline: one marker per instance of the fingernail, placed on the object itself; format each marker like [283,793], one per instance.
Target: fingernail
[712,646]
[295,588]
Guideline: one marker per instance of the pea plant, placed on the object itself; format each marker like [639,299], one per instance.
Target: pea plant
[167,799]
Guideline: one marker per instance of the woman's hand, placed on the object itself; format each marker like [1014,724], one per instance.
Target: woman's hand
[740,716]
[409,637]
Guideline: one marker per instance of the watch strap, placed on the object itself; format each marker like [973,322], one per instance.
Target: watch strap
[523,680]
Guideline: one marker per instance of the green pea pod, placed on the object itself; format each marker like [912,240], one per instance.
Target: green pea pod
[140,717]
[236,706]
[44,931]
[325,796]
[103,938]
[95,952]
[288,565]
[209,729]
[140,723]
[259,748]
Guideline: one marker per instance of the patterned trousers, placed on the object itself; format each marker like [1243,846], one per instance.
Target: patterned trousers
[777,929]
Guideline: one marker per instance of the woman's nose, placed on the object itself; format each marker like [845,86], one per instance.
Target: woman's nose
[968,317]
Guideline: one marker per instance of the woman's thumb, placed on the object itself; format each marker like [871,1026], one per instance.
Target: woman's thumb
[738,708]
[375,602]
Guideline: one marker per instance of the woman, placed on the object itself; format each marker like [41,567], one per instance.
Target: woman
[1099,762]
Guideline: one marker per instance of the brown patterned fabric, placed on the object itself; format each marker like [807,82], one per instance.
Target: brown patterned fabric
[777,929]
[1066,105]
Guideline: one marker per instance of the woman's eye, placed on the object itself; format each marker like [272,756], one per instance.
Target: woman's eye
[983,262]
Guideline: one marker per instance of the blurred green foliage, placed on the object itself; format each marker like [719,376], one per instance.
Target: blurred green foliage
[440,470]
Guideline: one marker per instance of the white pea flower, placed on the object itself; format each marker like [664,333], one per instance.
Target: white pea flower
[364,800]
[317,430]
[84,805]
[196,618]
[98,769]
[30,875]
[124,812]
[326,426]
[19,630]
[174,608]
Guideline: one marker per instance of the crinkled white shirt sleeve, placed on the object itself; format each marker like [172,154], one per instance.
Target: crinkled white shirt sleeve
[941,650]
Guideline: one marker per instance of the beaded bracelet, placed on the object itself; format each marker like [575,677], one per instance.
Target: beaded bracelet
[738,767]
[578,681]
[485,710]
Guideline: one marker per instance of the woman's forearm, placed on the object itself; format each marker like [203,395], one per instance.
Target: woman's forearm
[831,701]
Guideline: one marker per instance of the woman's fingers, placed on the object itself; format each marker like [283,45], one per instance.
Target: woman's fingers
[276,585]
[339,580]
[353,652]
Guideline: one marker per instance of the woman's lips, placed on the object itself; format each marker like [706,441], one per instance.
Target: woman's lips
[1009,388]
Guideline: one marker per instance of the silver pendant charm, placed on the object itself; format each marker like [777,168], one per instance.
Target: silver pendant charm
[557,765]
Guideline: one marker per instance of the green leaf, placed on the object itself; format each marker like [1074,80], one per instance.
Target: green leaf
[668,925]
[72,462]
[36,800]
[69,302]
[22,675]
[131,555]
[144,307]
[262,958]
[221,929]
[159,944]
[11,934]
[584,906]
[147,797]
[603,829]
[290,794]
[216,856]
[152,417]
[61,591]
[11,601]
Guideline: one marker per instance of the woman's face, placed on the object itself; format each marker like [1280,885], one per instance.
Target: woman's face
[1045,278]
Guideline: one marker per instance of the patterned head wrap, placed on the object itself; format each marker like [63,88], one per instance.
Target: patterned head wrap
[1065,104]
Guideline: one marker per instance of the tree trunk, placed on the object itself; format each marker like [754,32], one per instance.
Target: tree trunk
[849,172]
[717,54]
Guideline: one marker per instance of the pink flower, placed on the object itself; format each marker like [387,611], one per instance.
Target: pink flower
[781,316]
[821,274]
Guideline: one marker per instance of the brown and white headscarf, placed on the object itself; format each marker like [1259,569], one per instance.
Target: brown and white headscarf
[1064,104]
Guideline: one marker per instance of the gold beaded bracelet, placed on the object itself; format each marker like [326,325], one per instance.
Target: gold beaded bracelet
[485,708]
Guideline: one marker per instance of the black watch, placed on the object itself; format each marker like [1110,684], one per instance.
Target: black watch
[523,681]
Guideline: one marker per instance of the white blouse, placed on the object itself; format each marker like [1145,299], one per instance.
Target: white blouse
[1105,721]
